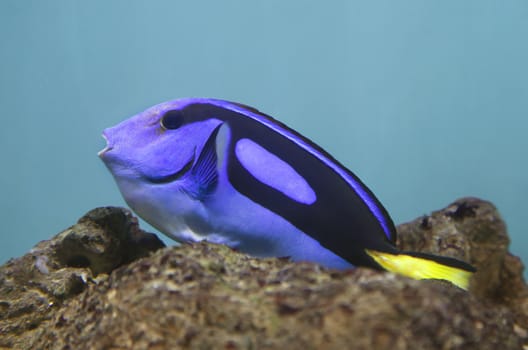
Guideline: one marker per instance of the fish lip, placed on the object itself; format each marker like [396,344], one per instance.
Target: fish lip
[108,147]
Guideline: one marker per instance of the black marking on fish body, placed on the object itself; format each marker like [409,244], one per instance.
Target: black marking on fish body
[339,220]
[174,176]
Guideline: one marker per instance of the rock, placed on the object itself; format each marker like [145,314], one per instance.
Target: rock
[34,287]
[105,284]
[468,229]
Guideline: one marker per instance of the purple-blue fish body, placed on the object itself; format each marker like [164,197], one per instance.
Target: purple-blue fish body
[205,169]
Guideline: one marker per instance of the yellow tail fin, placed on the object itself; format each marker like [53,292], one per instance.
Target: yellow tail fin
[422,267]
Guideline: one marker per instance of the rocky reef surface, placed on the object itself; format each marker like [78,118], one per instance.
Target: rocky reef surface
[104,283]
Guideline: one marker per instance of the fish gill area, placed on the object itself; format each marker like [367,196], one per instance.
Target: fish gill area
[104,283]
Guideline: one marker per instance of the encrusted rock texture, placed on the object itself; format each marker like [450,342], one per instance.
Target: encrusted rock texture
[104,283]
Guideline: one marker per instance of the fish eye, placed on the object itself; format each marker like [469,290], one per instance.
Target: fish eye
[172,120]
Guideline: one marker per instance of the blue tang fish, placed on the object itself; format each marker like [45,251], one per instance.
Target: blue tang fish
[206,169]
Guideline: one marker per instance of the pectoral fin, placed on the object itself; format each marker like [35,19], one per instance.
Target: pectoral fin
[204,173]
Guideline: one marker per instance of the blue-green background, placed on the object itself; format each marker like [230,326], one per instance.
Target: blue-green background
[426,101]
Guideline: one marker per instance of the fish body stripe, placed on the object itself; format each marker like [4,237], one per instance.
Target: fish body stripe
[340,219]
[353,181]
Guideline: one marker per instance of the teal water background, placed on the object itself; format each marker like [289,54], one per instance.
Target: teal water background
[426,101]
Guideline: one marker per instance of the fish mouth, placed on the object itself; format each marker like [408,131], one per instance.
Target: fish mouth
[107,149]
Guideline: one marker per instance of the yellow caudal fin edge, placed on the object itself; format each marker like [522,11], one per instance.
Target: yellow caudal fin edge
[421,268]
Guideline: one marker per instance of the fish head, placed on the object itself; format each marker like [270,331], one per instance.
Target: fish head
[149,154]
